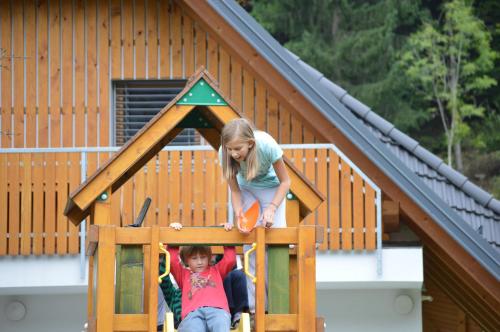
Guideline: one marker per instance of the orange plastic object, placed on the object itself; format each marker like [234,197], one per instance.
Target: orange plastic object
[247,223]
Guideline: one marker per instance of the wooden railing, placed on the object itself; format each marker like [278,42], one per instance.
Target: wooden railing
[34,187]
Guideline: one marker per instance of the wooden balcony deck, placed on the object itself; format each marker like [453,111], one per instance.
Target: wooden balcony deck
[184,185]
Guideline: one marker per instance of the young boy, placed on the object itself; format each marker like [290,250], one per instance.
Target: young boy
[204,303]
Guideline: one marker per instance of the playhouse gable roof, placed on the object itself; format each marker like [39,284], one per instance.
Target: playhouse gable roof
[199,105]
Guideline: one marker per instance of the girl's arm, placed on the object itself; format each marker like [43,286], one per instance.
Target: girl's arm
[281,172]
[236,200]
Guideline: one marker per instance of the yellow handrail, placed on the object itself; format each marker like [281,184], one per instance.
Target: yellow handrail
[167,262]
[247,261]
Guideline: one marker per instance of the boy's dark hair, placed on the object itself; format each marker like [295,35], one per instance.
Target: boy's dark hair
[188,251]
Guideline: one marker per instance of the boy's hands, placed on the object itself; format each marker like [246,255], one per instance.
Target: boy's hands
[176,225]
[228,226]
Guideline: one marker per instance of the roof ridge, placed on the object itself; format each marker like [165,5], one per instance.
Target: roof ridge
[462,182]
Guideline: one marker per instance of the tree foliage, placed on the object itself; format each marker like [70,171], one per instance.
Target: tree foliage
[448,62]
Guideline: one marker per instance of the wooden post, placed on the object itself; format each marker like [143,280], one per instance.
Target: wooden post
[260,285]
[278,284]
[153,277]
[306,257]
[105,279]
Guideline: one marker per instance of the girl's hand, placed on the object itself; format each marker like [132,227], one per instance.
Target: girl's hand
[241,215]
[228,226]
[176,225]
[268,216]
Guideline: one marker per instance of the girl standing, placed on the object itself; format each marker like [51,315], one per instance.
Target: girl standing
[252,163]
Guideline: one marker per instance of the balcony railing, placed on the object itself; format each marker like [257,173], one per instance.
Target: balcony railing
[185,184]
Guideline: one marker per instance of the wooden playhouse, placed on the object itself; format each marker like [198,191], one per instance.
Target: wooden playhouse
[121,298]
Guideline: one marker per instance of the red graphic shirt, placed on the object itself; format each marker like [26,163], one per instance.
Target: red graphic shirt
[203,289]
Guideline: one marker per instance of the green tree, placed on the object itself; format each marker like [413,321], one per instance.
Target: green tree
[449,61]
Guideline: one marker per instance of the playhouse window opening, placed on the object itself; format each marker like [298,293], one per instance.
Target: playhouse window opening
[135,102]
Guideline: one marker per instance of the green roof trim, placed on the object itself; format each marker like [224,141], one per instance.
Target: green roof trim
[202,94]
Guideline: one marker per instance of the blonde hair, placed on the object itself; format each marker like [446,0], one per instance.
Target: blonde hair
[239,130]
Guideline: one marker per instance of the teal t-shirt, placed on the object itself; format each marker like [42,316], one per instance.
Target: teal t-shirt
[268,152]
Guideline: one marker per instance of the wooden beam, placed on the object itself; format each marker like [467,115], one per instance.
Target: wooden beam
[306,257]
[105,279]
[260,285]
[129,155]
[126,323]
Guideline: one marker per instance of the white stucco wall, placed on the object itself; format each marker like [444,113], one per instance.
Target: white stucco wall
[350,310]
[46,313]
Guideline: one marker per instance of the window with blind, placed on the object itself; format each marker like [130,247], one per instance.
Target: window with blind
[136,102]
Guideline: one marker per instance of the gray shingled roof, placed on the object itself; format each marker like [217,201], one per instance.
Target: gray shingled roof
[477,207]
[338,112]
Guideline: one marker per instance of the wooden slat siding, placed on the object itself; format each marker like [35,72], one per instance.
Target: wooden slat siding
[43,73]
[127,202]
[284,125]
[236,84]
[322,185]
[30,33]
[116,214]
[176,38]
[310,173]
[272,117]
[50,204]
[127,26]
[370,218]
[358,212]
[260,106]
[6,91]
[151,191]
[248,95]
[152,38]
[116,39]
[38,204]
[174,186]
[26,212]
[104,75]
[210,185]
[13,178]
[334,200]
[164,38]
[55,72]
[67,73]
[62,193]
[346,206]
[224,72]
[18,72]
[221,193]
[198,192]
[200,47]
[79,42]
[163,190]
[140,191]
[140,39]
[212,57]
[187,185]
[4,194]
[91,53]
[308,136]
[74,182]
[296,130]
[188,45]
